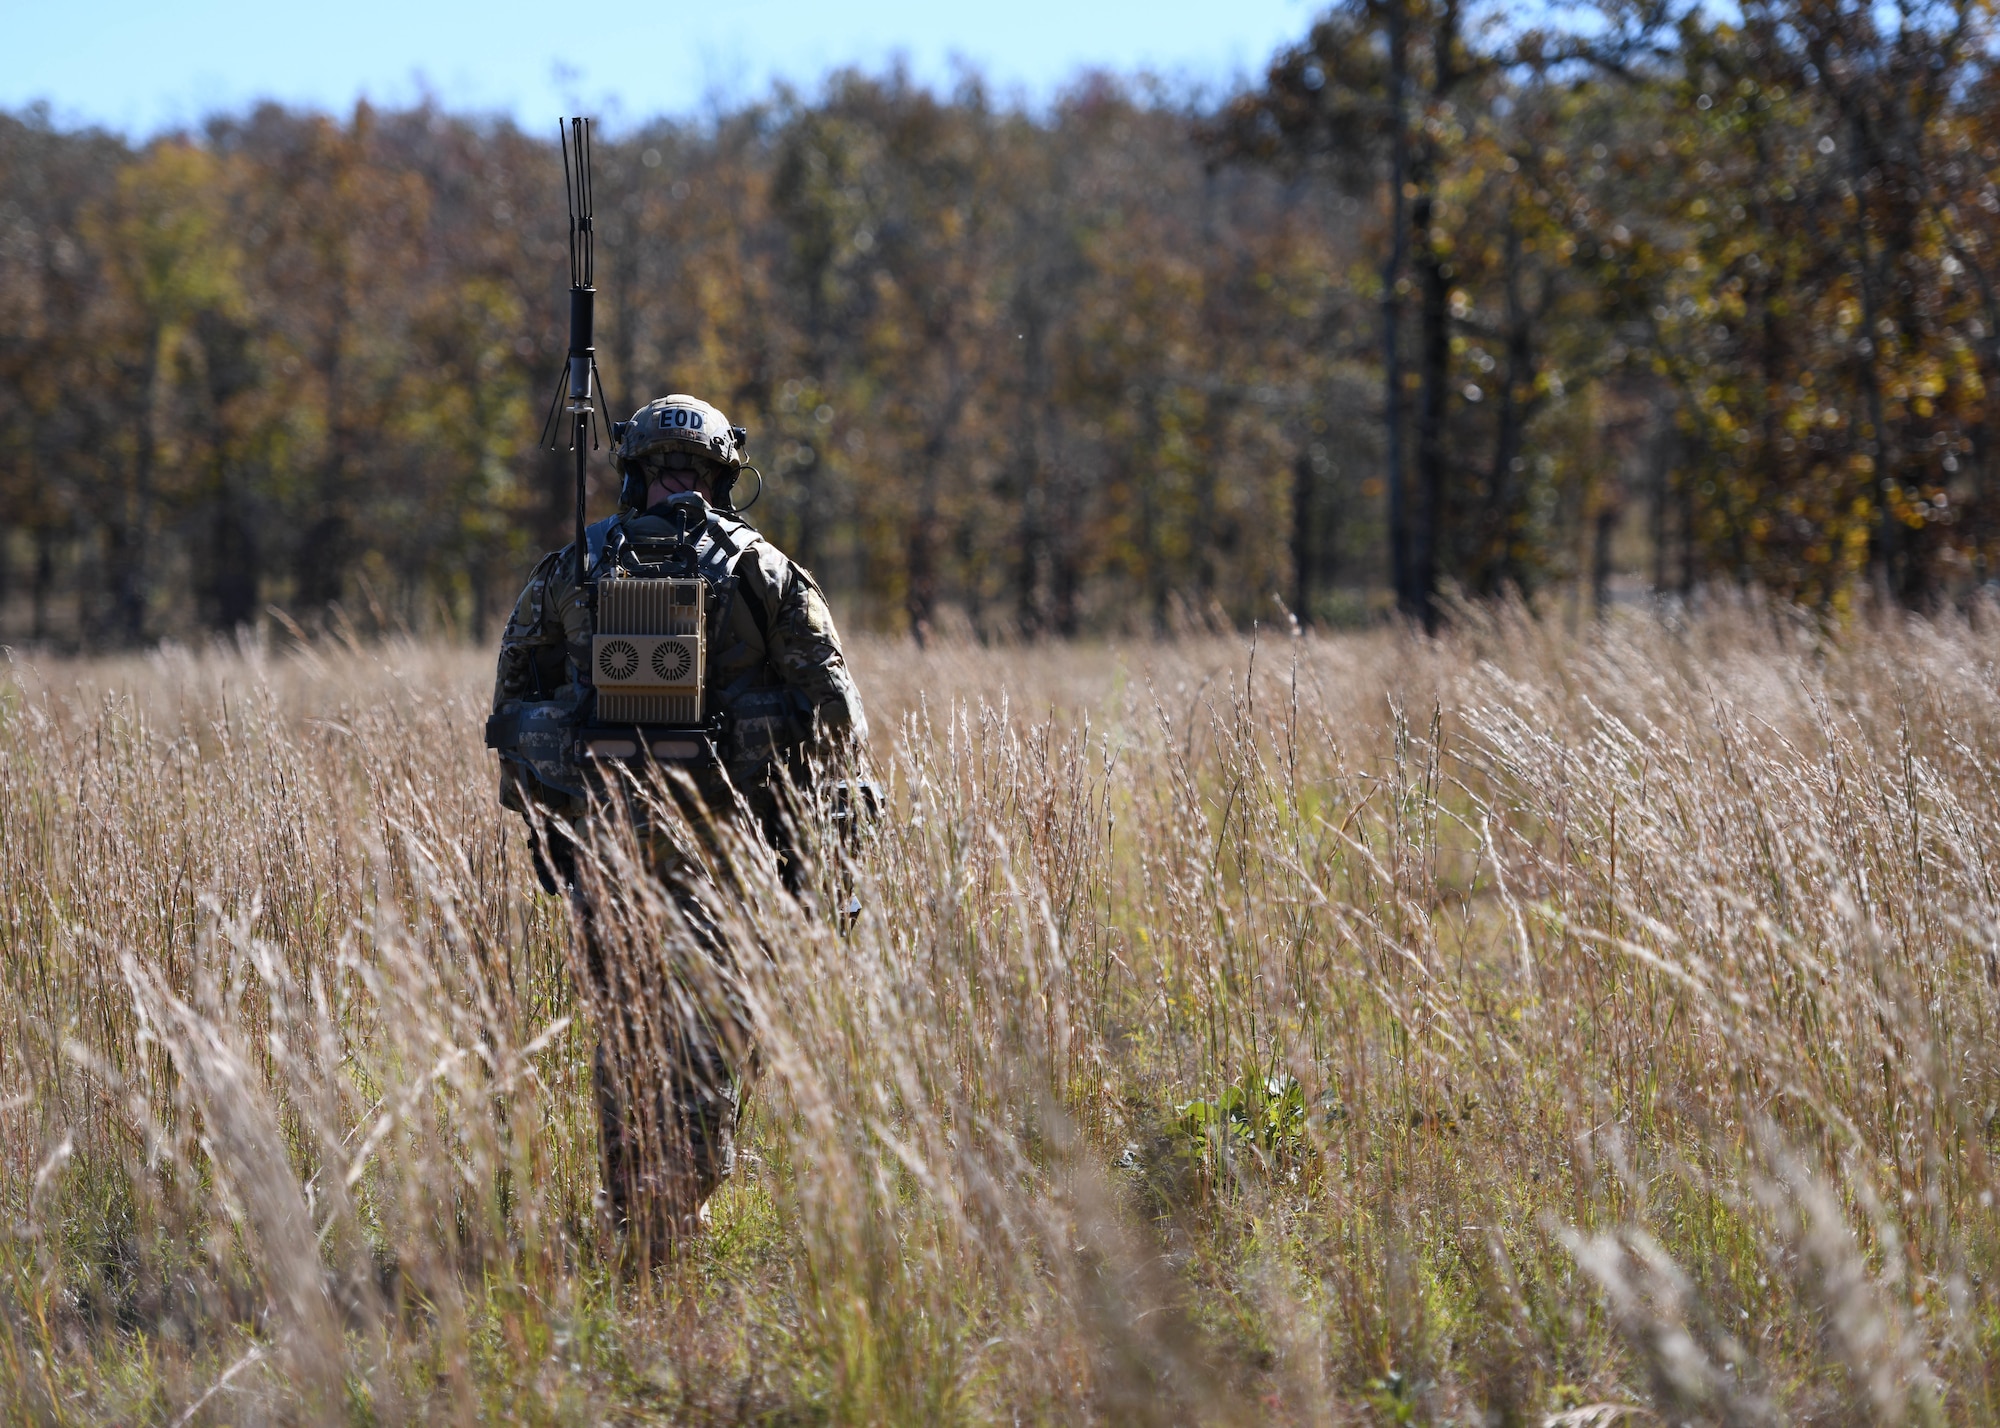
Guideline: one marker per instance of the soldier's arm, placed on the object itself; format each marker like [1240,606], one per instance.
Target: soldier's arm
[804,646]
[533,646]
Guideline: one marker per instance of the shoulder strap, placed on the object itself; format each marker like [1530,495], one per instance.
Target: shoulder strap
[538,587]
[595,538]
[723,545]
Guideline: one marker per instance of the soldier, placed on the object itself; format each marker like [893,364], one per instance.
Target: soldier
[782,703]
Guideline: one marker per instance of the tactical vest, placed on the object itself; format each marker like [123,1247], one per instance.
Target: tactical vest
[737,641]
[749,716]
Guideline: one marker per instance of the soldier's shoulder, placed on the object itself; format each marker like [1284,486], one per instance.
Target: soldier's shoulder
[764,561]
[745,543]
[734,529]
[551,572]
[545,572]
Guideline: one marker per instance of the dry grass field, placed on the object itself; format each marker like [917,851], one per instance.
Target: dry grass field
[1529,1026]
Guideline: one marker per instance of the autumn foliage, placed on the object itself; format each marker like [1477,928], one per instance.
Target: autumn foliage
[1652,297]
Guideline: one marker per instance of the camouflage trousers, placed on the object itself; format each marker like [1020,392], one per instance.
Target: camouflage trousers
[668,1075]
[674,1055]
[675,1051]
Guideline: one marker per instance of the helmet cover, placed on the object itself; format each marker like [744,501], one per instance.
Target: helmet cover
[683,422]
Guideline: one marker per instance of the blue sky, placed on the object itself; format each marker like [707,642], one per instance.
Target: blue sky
[140,67]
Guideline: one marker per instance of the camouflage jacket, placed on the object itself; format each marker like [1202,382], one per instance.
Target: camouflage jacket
[772,645]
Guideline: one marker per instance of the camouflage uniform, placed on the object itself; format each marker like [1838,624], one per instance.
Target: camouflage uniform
[774,656]
[775,668]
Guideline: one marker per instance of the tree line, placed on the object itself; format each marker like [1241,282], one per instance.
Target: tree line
[1440,303]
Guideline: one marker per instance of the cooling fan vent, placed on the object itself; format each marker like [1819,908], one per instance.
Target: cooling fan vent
[670,662]
[619,659]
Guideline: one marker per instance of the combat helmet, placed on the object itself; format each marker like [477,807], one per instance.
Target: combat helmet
[676,432]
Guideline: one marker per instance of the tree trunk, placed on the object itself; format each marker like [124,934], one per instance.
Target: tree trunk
[1305,548]
[920,550]
[1146,479]
[1400,567]
[1031,570]
[1501,567]
[1600,558]
[321,561]
[130,530]
[45,579]
[1434,372]
[234,578]
[1889,534]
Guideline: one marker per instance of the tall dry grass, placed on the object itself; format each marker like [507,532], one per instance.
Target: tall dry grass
[1522,1027]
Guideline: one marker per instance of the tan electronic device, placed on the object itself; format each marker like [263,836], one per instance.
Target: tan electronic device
[647,655]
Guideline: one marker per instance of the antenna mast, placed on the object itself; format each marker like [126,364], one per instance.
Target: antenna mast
[580,376]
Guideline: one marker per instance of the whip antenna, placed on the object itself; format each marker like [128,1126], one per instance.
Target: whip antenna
[585,384]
